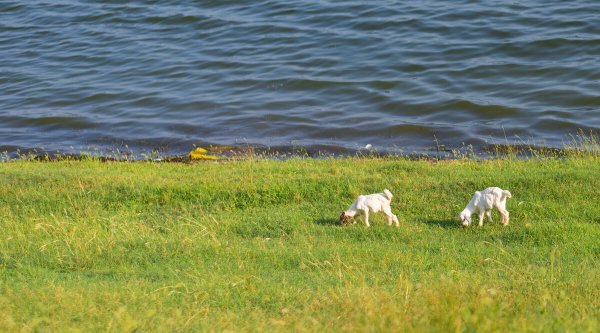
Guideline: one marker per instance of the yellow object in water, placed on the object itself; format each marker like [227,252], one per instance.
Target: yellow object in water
[200,154]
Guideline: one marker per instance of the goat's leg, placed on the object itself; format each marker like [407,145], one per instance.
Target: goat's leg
[395,219]
[505,216]
[366,211]
[481,215]
[489,215]
[391,217]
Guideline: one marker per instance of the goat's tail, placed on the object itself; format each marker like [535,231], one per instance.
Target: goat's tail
[506,194]
[388,194]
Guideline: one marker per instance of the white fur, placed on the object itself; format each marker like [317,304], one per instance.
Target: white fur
[483,202]
[378,202]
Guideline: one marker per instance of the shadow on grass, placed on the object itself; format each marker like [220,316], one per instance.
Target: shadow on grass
[330,222]
[446,224]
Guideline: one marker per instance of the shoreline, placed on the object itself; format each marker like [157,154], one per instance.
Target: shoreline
[582,145]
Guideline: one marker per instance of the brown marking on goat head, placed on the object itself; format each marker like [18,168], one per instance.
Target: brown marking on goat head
[345,219]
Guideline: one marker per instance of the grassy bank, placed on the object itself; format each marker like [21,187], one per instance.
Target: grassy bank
[253,246]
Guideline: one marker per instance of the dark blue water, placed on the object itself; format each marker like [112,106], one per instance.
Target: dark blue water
[402,76]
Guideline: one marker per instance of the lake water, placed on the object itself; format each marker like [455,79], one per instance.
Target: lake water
[399,75]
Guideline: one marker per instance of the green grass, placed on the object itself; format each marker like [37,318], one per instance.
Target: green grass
[253,245]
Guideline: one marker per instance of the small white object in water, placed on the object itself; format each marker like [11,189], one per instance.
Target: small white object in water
[369,146]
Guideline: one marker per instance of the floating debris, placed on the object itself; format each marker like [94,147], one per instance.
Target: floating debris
[201,154]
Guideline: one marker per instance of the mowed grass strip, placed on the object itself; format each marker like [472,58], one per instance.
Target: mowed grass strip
[254,245]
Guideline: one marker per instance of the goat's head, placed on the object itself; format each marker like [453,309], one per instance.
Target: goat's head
[465,219]
[345,219]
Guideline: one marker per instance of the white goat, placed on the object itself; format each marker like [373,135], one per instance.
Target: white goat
[482,203]
[378,202]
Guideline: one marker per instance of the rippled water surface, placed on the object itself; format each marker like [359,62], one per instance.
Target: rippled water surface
[400,75]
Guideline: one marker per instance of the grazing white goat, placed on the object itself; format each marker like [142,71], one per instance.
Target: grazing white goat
[378,202]
[482,203]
